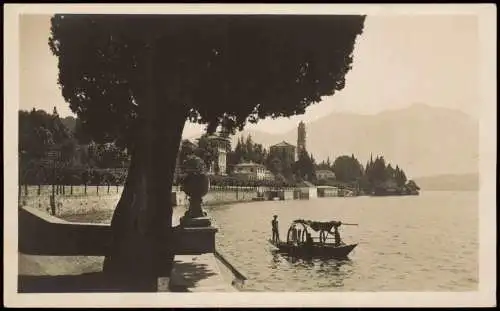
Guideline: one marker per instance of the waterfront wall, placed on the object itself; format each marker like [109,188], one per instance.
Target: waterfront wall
[230,195]
[78,200]
[234,194]
[217,195]
[99,199]
[94,200]
[43,234]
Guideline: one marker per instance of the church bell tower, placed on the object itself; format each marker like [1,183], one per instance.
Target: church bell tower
[301,138]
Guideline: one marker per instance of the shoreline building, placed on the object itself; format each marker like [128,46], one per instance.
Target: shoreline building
[252,171]
[219,165]
[324,174]
[306,191]
[283,150]
[222,144]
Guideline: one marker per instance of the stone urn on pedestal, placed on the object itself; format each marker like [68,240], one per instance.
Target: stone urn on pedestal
[195,185]
[196,233]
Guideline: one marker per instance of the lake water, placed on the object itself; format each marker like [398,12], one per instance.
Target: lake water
[412,243]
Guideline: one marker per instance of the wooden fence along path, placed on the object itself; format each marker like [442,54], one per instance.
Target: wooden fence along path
[69,190]
[87,199]
[113,190]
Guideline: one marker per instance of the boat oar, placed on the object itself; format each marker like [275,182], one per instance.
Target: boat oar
[349,224]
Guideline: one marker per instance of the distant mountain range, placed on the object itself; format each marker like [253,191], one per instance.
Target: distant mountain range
[421,139]
[449,182]
[424,141]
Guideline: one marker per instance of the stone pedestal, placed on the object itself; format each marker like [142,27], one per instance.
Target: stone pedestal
[195,234]
[197,222]
[194,240]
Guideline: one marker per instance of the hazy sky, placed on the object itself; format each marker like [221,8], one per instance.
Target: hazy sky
[398,61]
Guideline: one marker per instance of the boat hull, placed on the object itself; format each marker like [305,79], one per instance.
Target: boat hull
[323,251]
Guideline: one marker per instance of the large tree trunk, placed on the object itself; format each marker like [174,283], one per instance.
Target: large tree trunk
[142,247]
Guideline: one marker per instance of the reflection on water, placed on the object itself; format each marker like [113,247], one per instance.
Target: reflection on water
[334,270]
[325,268]
[417,243]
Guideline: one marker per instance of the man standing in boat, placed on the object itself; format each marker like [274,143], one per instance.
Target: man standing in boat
[276,234]
[309,240]
[336,234]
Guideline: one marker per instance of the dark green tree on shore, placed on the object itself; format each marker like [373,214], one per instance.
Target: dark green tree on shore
[246,150]
[347,169]
[80,134]
[40,131]
[412,185]
[137,79]
[324,165]
[280,165]
[236,156]
[390,173]
[111,156]
[379,175]
[304,168]
[378,171]
[206,150]
[400,177]
[187,148]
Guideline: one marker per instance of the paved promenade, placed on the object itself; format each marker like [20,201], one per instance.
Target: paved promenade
[191,273]
[199,273]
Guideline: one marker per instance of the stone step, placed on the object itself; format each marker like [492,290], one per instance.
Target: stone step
[198,273]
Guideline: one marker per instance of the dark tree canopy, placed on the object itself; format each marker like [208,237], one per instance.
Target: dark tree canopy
[220,69]
[347,168]
[246,150]
[136,79]
[304,168]
[39,131]
[207,150]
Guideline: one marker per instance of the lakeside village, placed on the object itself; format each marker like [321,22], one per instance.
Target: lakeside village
[54,151]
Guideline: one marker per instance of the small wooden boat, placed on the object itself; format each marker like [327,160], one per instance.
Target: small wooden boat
[301,243]
[322,251]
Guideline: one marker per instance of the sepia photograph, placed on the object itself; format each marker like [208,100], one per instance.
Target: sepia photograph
[250,155]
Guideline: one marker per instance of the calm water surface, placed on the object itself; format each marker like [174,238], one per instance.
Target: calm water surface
[413,243]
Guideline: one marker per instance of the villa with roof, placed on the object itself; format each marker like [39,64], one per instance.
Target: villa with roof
[285,150]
